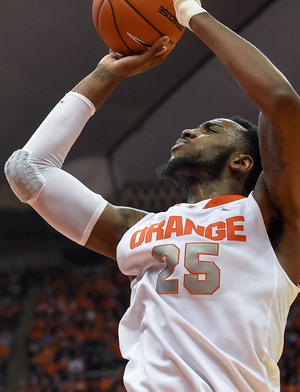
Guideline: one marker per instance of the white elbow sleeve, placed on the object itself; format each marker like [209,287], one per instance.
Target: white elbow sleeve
[63,201]
[35,176]
[23,176]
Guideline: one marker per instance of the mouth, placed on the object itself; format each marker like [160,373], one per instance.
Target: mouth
[179,143]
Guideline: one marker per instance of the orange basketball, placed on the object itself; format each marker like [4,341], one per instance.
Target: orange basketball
[131,26]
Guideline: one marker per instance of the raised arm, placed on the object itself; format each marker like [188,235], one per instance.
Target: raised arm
[35,174]
[279,104]
[278,190]
[261,81]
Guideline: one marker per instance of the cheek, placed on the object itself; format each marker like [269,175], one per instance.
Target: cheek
[211,149]
[207,149]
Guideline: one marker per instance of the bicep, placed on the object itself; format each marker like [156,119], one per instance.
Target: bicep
[279,144]
[110,228]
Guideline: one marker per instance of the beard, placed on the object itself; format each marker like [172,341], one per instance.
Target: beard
[188,171]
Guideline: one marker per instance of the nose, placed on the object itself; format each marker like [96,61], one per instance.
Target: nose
[189,134]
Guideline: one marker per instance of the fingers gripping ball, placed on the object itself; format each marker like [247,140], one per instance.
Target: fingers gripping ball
[131,26]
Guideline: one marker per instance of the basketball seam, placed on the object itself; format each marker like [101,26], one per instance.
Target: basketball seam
[118,31]
[98,16]
[138,12]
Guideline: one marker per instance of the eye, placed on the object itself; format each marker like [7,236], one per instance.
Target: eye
[210,130]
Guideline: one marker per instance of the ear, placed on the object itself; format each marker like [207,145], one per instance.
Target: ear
[241,163]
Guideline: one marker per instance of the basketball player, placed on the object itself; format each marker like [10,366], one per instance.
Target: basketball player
[213,279]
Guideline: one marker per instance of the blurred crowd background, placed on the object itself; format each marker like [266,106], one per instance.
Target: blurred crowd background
[58,331]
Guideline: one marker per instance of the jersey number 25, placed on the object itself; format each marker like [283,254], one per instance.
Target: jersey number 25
[203,276]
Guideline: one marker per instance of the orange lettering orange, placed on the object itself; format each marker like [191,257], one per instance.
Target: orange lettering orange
[155,228]
[190,226]
[174,226]
[218,234]
[138,238]
[232,228]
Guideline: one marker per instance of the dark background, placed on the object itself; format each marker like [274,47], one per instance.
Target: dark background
[47,46]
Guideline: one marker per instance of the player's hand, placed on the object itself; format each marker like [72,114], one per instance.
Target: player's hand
[185,9]
[126,66]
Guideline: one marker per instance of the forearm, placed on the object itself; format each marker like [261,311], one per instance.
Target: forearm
[97,85]
[60,129]
[262,82]
[114,68]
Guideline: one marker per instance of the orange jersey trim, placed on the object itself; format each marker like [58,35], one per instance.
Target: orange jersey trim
[218,201]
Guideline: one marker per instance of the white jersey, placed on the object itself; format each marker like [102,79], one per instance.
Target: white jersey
[209,302]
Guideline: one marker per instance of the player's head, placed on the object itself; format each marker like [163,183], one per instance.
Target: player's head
[225,149]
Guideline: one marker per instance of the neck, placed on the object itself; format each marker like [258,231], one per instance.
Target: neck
[198,192]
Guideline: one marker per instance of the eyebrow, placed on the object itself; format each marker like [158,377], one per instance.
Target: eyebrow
[210,123]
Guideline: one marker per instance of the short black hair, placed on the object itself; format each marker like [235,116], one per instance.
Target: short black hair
[251,145]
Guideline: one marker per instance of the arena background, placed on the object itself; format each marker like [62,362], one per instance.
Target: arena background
[47,46]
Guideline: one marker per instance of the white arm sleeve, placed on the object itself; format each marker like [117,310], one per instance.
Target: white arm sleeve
[35,175]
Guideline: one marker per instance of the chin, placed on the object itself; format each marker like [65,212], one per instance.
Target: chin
[188,170]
